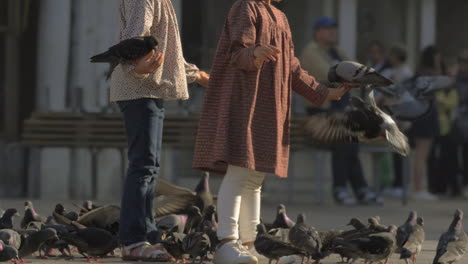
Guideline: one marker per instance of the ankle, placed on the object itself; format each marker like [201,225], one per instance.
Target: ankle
[248,245]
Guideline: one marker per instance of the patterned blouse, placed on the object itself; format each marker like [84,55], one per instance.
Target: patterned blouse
[156,18]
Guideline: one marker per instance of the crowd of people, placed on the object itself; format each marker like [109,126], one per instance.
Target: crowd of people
[438,139]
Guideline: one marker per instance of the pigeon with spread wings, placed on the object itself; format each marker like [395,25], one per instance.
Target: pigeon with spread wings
[361,122]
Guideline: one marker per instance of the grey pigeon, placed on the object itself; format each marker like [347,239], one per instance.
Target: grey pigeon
[92,242]
[8,253]
[404,231]
[10,238]
[194,219]
[453,243]
[356,73]
[281,233]
[327,238]
[362,122]
[173,199]
[171,223]
[6,221]
[272,247]
[34,242]
[30,215]
[413,245]
[282,220]
[196,244]
[126,51]
[306,238]
[375,225]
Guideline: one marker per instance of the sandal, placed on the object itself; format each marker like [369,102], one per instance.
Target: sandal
[145,252]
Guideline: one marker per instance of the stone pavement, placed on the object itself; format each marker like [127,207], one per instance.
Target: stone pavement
[437,216]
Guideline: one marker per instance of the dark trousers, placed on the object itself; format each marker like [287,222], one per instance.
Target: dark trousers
[346,167]
[144,126]
[442,166]
[398,170]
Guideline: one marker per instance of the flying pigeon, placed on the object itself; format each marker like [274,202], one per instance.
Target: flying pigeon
[306,238]
[6,221]
[453,243]
[356,73]
[126,51]
[272,247]
[364,121]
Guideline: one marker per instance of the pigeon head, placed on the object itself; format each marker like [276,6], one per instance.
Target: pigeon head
[412,218]
[280,208]
[373,221]
[151,42]
[261,229]
[9,213]
[193,210]
[59,209]
[210,210]
[392,229]
[420,221]
[458,219]
[300,218]
[5,236]
[204,184]
[356,223]
[28,204]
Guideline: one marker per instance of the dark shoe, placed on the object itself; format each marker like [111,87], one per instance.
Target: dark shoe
[343,197]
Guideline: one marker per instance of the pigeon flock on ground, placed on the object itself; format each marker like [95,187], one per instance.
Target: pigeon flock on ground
[187,229]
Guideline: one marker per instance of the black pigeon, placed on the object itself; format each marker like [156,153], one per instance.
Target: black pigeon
[194,219]
[453,243]
[209,226]
[172,199]
[105,217]
[60,209]
[126,51]
[92,242]
[272,247]
[196,244]
[8,253]
[35,241]
[6,221]
[59,243]
[171,223]
[306,238]
[282,220]
[360,123]
[174,245]
[156,237]
[327,238]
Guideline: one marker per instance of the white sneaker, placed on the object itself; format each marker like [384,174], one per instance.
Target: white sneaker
[425,196]
[282,260]
[233,252]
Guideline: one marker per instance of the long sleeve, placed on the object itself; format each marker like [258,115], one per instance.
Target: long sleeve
[138,17]
[306,85]
[242,32]
[191,71]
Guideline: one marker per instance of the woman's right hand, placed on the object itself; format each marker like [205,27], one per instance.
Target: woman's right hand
[149,63]
[265,53]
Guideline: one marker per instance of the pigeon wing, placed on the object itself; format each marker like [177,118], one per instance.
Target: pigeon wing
[172,204]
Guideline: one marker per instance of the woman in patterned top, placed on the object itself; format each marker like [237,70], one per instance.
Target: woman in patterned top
[244,126]
[139,89]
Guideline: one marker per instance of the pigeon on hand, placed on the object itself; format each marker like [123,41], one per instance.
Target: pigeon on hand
[35,241]
[282,220]
[306,238]
[196,244]
[364,121]
[126,51]
[8,253]
[92,242]
[272,247]
[6,221]
[453,243]
[356,73]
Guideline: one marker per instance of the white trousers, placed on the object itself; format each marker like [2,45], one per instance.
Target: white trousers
[239,204]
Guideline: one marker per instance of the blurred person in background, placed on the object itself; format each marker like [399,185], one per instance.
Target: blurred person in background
[425,129]
[399,71]
[317,58]
[377,57]
[462,115]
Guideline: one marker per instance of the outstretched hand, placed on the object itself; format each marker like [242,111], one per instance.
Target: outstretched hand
[335,94]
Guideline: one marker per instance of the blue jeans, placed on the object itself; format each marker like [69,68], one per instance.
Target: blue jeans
[143,120]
